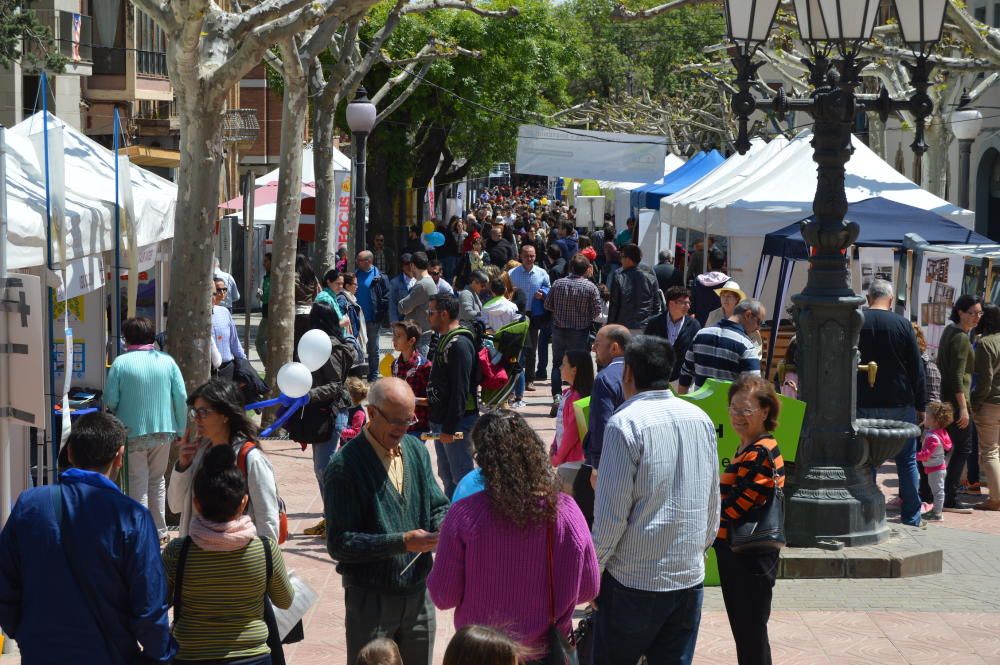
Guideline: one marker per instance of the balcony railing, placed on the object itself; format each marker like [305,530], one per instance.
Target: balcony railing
[72,34]
[151,63]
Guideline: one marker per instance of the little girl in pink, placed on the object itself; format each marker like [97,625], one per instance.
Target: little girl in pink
[932,453]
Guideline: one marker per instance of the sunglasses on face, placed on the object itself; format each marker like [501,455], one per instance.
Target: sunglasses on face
[221,290]
[199,413]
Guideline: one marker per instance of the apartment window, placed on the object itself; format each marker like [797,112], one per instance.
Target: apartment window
[996,14]
[979,13]
[151,46]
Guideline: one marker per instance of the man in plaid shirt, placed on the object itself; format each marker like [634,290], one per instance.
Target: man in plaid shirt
[575,304]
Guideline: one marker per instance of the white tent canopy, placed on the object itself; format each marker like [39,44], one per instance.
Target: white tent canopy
[90,197]
[783,190]
[341,162]
[617,193]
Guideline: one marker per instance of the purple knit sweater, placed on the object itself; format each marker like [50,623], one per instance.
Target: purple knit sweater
[496,574]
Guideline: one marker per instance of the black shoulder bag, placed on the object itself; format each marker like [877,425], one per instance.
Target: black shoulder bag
[763,528]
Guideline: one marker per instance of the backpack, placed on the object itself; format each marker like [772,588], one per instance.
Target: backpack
[241,463]
[477,365]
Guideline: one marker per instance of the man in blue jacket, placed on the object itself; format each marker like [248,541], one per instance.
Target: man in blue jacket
[81,580]
[373,296]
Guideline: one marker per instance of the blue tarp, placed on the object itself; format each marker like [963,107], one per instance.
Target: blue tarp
[883,224]
[694,169]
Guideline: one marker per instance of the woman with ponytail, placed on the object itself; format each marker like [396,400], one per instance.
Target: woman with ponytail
[221,575]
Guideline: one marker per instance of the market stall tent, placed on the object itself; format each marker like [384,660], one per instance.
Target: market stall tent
[617,194]
[648,196]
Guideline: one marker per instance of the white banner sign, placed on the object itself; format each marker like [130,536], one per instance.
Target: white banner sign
[344,213]
[83,276]
[576,153]
[875,263]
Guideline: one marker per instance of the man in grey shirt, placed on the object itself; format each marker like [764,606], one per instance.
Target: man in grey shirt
[655,514]
[414,305]
[470,304]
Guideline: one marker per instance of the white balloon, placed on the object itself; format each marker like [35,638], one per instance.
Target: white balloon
[314,349]
[294,380]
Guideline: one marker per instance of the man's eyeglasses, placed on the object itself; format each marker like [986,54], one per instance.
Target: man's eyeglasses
[435,274]
[431,312]
[409,422]
[199,413]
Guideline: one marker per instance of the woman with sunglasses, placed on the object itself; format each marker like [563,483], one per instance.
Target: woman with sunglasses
[224,334]
[219,420]
[748,485]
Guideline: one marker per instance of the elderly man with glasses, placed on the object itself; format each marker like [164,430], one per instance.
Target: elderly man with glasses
[383,511]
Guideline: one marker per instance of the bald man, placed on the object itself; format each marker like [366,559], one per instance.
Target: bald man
[607,395]
[383,510]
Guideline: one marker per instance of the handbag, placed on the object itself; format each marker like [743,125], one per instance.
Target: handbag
[763,529]
[561,651]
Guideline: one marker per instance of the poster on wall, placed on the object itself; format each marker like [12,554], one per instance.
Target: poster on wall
[875,263]
[85,315]
[938,285]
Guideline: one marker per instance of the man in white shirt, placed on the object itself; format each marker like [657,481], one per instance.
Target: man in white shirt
[436,271]
[656,513]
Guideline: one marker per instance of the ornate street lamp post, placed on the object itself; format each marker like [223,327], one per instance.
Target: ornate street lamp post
[832,498]
[361,120]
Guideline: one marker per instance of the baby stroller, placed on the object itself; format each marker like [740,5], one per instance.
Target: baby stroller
[507,345]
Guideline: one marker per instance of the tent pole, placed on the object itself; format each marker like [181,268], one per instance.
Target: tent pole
[248,255]
[116,307]
[6,493]
[989,279]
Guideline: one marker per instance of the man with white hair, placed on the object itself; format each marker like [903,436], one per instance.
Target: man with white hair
[899,392]
[724,351]
[667,274]
[383,511]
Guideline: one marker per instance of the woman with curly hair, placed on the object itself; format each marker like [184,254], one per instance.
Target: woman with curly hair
[519,553]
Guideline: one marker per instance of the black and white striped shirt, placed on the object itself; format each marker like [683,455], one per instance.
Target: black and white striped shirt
[723,352]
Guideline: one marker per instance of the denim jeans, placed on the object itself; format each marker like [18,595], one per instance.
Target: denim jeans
[906,461]
[961,441]
[371,350]
[454,459]
[322,452]
[563,340]
[544,339]
[630,623]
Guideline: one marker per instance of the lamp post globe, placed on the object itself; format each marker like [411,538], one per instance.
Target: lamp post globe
[849,22]
[361,115]
[810,20]
[749,22]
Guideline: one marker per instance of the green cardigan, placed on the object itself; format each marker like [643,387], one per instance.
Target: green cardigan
[956,362]
[366,517]
[987,371]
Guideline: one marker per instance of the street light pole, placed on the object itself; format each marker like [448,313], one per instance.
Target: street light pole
[965,125]
[361,120]
[832,498]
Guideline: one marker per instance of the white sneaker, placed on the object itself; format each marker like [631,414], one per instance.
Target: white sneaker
[518,404]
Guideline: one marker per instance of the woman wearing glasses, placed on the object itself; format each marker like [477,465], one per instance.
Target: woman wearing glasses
[220,420]
[748,486]
[224,334]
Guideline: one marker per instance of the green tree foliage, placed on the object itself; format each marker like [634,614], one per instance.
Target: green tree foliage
[640,57]
[24,38]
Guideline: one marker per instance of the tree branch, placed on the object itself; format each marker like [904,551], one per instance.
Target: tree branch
[262,14]
[329,97]
[160,12]
[415,82]
[465,5]
[621,13]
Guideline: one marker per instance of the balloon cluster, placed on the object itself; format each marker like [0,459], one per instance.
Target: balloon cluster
[431,238]
[295,379]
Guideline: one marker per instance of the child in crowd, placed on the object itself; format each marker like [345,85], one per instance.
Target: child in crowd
[481,645]
[380,651]
[358,390]
[577,370]
[499,311]
[936,445]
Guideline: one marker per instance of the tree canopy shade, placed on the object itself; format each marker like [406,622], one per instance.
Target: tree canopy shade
[24,38]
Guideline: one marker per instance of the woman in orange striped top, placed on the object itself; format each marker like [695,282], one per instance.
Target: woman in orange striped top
[747,485]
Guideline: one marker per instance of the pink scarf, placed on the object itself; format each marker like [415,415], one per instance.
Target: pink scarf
[141,347]
[222,536]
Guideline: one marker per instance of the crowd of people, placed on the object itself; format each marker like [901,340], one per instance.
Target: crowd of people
[493,532]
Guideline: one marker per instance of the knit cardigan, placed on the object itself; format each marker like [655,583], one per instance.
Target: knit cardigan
[495,573]
[366,517]
[146,392]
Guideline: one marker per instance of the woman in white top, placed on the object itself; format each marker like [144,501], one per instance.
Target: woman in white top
[220,420]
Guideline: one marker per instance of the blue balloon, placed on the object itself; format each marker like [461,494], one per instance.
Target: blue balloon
[435,239]
[472,483]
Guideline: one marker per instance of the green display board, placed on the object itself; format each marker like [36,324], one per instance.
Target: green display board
[582,409]
[712,398]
